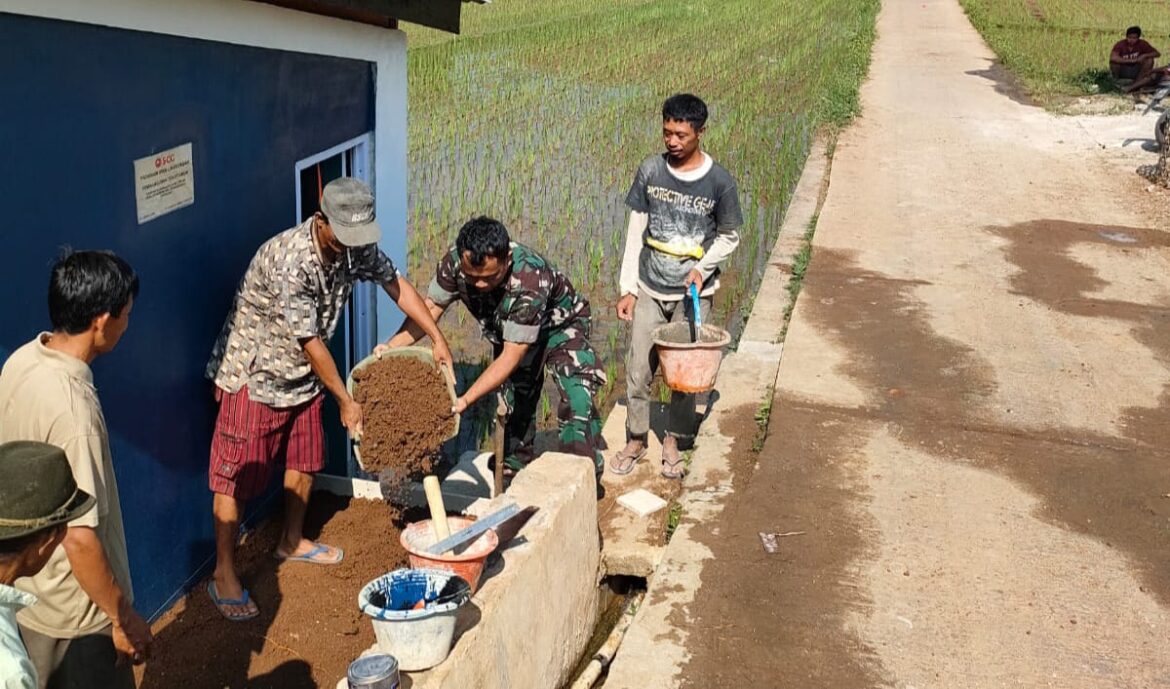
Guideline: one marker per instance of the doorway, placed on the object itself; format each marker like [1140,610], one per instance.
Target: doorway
[356,331]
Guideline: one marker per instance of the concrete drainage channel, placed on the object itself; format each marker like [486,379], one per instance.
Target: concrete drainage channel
[574,606]
[619,598]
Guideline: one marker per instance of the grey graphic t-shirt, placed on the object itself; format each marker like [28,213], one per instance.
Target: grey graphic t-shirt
[685,218]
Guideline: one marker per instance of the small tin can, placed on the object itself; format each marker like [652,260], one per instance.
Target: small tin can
[379,671]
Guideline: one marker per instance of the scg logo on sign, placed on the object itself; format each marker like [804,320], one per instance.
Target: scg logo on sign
[164,160]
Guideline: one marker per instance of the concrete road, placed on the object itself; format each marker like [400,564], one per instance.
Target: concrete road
[970,439]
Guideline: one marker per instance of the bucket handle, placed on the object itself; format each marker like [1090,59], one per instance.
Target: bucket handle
[695,311]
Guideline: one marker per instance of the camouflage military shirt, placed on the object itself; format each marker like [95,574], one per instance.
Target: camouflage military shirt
[534,301]
[288,293]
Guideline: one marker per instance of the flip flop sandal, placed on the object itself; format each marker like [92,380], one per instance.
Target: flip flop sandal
[311,556]
[673,469]
[222,604]
[624,462]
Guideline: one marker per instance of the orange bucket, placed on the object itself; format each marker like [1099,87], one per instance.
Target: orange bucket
[689,366]
[468,565]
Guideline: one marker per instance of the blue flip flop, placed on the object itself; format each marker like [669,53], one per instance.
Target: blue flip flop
[311,556]
[222,603]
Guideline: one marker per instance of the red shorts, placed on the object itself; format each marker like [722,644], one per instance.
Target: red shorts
[251,438]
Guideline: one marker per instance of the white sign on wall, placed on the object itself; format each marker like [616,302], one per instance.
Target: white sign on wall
[164,182]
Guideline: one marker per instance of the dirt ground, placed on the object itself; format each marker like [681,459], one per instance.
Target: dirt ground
[406,415]
[309,627]
[780,615]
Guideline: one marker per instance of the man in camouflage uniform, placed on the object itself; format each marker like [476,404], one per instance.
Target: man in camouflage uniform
[534,319]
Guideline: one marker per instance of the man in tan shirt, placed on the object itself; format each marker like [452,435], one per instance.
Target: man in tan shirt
[84,628]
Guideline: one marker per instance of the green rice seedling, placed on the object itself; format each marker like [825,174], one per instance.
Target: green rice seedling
[596,257]
[611,377]
[611,341]
[664,392]
[545,409]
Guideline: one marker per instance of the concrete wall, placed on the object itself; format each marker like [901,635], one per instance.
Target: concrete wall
[532,620]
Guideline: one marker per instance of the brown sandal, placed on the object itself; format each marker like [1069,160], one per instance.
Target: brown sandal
[624,462]
[673,468]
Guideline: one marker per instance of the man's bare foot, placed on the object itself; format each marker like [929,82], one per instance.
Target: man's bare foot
[230,597]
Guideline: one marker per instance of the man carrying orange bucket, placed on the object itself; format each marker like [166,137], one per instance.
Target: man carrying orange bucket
[684,223]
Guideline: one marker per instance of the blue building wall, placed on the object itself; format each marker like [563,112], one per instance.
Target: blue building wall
[80,104]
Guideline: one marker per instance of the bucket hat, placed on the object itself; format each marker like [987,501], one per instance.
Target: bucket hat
[37,489]
[348,204]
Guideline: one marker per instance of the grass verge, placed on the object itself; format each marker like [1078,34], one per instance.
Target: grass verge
[799,267]
[673,517]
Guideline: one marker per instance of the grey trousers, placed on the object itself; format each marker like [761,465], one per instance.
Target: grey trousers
[642,362]
[87,662]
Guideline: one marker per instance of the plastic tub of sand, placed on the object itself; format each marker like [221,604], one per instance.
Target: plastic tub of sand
[406,410]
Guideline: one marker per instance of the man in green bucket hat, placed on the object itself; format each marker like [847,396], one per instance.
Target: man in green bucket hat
[38,499]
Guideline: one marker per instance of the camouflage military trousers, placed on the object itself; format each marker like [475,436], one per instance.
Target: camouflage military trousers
[569,357]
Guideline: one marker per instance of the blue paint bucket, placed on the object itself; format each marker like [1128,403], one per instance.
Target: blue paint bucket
[414,612]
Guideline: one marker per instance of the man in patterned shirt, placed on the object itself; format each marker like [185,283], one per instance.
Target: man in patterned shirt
[271,365]
[533,318]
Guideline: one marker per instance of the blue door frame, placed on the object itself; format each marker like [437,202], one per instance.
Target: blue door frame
[357,331]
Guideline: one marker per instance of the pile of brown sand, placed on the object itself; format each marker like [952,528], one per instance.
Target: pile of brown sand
[406,415]
[309,628]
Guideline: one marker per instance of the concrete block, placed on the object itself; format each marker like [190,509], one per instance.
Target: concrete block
[633,545]
[641,502]
[531,620]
